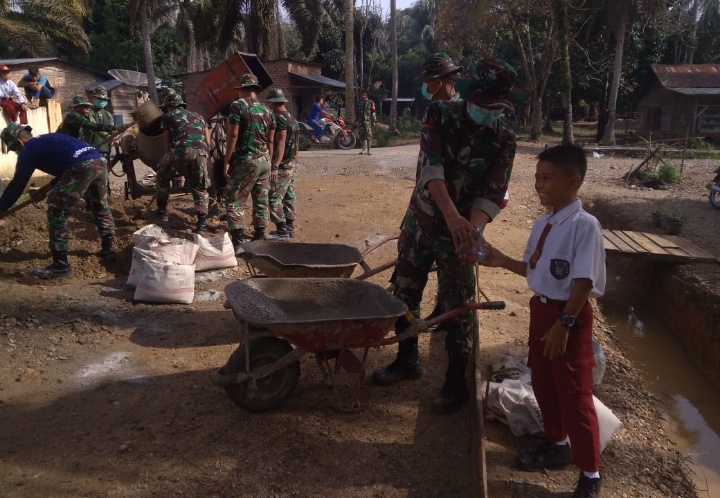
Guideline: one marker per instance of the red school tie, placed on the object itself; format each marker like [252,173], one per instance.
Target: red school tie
[538,249]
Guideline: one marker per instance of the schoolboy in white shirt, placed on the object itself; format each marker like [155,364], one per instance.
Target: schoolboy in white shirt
[564,264]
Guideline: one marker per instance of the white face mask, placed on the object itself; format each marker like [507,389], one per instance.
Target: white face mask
[481,115]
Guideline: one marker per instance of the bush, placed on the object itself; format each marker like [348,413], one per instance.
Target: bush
[409,125]
[669,173]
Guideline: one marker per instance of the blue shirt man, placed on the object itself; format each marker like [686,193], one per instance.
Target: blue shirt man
[315,118]
[36,85]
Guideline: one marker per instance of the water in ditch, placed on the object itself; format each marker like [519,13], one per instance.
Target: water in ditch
[691,405]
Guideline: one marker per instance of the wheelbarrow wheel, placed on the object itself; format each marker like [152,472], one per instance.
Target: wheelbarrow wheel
[268,392]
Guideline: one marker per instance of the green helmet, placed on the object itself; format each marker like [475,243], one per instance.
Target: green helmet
[276,95]
[175,100]
[78,100]
[10,133]
[100,93]
[248,80]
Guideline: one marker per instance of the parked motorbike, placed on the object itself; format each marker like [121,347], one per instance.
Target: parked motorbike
[714,187]
[335,134]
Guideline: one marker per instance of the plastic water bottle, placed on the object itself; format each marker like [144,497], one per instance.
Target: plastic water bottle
[480,249]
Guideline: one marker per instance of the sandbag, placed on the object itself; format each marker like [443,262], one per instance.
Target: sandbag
[150,235]
[214,253]
[183,249]
[141,255]
[166,283]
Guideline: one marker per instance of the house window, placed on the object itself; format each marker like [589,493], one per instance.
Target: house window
[710,120]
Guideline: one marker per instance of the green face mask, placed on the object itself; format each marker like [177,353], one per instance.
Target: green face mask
[101,104]
[482,116]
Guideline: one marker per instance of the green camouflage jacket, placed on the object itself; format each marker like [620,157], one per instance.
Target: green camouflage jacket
[78,126]
[285,121]
[474,161]
[255,122]
[187,130]
[366,112]
[103,117]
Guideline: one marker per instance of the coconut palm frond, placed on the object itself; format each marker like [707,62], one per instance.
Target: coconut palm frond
[53,21]
[15,35]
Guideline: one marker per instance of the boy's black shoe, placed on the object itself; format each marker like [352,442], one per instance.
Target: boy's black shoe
[548,456]
[588,487]
[397,371]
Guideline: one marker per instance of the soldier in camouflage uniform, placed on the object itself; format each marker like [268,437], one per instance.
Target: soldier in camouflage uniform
[464,165]
[79,123]
[283,151]
[186,143]
[77,168]
[366,118]
[438,75]
[247,161]
[102,117]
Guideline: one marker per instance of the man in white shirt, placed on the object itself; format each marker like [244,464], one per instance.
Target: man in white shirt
[11,100]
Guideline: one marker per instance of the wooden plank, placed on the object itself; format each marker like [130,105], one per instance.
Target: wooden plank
[661,240]
[609,246]
[636,247]
[691,248]
[644,242]
[619,243]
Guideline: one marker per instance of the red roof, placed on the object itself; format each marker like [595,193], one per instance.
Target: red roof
[688,75]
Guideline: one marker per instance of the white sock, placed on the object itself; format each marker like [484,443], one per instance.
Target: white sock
[563,442]
[592,475]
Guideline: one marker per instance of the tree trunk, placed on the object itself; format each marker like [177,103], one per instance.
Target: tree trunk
[560,8]
[394,57]
[609,137]
[692,40]
[349,62]
[536,121]
[147,51]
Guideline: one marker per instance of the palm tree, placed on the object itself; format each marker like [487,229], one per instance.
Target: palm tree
[560,11]
[40,27]
[349,61]
[394,57]
[139,10]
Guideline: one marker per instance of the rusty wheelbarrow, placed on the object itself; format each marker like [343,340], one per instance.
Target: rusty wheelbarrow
[325,316]
[304,259]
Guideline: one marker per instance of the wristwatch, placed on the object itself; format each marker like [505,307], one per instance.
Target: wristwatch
[569,320]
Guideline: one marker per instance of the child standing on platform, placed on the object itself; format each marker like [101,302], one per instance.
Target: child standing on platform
[564,264]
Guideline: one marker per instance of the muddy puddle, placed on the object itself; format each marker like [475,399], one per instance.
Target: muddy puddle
[691,405]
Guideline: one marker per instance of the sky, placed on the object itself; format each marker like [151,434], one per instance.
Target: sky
[399,4]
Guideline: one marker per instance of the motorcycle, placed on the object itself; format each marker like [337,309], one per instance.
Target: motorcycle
[714,187]
[335,135]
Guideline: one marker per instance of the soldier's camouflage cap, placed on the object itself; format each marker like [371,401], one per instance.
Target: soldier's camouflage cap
[439,65]
[276,95]
[174,99]
[78,100]
[100,93]
[10,133]
[489,84]
[248,81]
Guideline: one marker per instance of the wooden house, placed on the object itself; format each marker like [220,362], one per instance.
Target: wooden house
[683,99]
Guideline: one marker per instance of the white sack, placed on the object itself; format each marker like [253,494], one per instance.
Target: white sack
[182,249]
[214,253]
[166,283]
[150,235]
[141,255]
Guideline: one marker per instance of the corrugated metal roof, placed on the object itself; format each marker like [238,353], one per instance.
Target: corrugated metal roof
[16,62]
[697,91]
[318,80]
[688,75]
[109,85]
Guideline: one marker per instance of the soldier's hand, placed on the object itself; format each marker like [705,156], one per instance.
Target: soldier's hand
[226,171]
[461,230]
[273,175]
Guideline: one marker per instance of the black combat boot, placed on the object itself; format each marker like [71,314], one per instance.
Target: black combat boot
[162,211]
[407,363]
[238,238]
[201,224]
[454,392]
[107,250]
[281,233]
[60,268]
[259,234]
[289,226]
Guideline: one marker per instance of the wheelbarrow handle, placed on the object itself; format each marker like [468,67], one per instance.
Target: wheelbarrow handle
[454,313]
[382,242]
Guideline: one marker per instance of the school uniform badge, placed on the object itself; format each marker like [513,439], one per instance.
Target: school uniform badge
[559,268]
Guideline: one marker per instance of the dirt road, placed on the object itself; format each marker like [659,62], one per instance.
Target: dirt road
[101,396]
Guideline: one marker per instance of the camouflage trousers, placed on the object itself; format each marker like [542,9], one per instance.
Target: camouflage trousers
[89,177]
[189,163]
[365,130]
[248,178]
[423,241]
[282,194]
